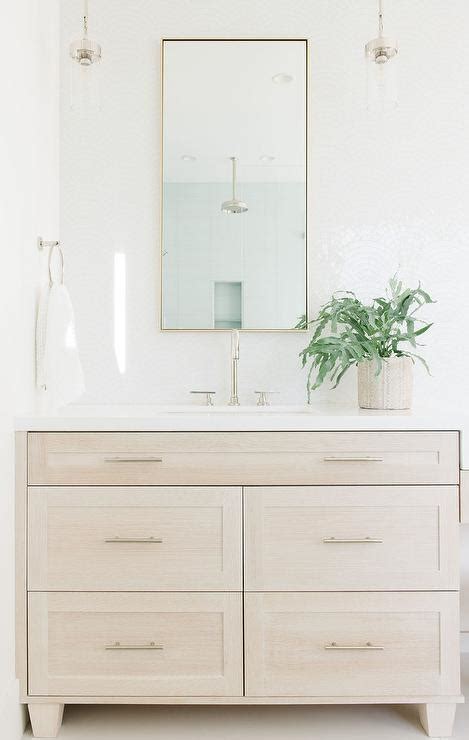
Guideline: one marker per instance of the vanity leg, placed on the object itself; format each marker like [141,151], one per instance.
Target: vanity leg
[46,719]
[437,719]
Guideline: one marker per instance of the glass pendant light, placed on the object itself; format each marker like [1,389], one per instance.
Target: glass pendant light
[234,205]
[380,55]
[85,55]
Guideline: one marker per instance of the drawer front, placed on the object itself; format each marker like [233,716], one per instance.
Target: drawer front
[352,644]
[243,458]
[359,538]
[138,539]
[135,644]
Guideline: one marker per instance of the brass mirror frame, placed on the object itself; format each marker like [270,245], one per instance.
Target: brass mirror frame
[162,328]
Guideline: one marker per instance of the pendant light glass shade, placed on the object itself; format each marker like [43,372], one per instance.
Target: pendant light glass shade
[85,90]
[380,55]
[84,77]
[382,87]
[234,205]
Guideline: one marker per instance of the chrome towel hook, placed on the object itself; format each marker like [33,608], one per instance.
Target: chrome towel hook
[51,246]
[42,244]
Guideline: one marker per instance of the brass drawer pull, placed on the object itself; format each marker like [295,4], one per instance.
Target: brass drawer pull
[359,541]
[350,458]
[367,646]
[145,540]
[121,646]
[129,459]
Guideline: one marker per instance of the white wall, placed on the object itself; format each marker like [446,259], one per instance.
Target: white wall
[29,138]
[383,192]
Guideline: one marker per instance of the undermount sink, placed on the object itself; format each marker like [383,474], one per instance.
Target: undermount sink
[157,410]
[193,409]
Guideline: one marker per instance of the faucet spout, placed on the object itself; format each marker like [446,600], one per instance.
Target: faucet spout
[235,344]
[234,400]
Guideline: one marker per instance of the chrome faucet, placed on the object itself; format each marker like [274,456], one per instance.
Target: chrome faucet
[234,400]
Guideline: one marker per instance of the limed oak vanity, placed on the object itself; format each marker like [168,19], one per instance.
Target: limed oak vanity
[238,558]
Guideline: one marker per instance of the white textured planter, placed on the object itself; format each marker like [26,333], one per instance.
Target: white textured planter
[391,389]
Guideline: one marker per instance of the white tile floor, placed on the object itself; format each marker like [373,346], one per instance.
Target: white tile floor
[253,723]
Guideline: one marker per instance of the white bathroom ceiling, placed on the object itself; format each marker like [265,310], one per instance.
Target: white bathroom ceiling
[220,100]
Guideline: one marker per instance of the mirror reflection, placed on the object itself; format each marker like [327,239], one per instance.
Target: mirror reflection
[234,185]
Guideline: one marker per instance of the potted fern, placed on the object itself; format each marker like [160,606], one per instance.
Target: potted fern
[379,338]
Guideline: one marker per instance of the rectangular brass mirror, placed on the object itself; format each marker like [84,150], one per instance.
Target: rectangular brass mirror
[234,183]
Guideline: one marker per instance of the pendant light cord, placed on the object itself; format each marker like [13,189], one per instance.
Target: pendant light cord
[233,159]
[85,17]
[380,18]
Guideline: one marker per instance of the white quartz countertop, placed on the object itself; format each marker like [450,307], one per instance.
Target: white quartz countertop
[197,418]
[321,416]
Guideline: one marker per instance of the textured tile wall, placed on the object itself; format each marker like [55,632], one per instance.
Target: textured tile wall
[385,192]
[264,249]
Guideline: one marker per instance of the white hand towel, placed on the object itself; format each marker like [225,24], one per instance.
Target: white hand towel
[41,328]
[59,369]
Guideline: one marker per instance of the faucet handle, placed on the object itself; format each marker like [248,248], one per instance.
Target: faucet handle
[208,396]
[263,399]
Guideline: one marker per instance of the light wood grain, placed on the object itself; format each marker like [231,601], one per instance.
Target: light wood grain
[437,719]
[413,538]
[287,635]
[46,719]
[243,458]
[464,488]
[184,489]
[247,700]
[21,439]
[200,635]
[197,539]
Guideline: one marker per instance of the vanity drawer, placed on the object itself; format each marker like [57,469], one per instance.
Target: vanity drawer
[368,644]
[135,644]
[169,539]
[337,538]
[243,458]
